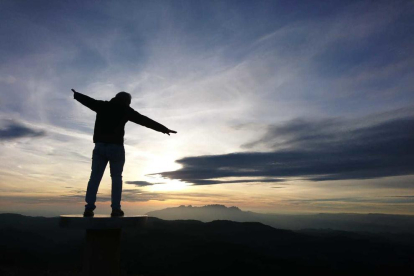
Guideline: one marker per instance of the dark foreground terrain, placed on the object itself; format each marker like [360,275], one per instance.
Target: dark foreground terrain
[37,246]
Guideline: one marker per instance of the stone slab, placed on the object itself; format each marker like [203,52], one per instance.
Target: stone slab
[101,222]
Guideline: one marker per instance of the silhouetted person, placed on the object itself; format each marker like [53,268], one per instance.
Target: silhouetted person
[108,137]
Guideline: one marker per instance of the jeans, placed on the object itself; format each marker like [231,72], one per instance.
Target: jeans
[102,153]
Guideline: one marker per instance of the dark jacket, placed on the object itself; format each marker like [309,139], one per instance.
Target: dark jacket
[111,118]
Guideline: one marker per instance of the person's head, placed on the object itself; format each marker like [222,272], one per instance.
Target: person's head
[124,98]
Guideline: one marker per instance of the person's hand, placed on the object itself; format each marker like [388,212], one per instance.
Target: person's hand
[169,131]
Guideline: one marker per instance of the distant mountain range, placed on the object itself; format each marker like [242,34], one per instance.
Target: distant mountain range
[376,223]
[37,246]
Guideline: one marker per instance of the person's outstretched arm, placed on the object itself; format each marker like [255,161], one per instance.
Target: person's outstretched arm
[137,118]
[86,100]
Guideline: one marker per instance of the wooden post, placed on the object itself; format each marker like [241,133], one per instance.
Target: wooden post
[103,241]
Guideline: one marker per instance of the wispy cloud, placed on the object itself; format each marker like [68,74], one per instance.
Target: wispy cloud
[231,77]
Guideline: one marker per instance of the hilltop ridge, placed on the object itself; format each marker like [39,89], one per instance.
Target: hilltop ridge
[341,221]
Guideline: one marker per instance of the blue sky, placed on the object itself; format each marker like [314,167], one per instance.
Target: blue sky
[322,83]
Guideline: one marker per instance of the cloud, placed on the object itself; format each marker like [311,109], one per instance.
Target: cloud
[7,79]
[391,200]
[14,130]
[329,149]
[128,195]
[209,182]
[140,183]
[212,182]
[243,63]
[99,198]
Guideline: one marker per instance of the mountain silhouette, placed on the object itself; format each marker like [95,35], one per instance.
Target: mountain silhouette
[205,213]
[376,223]
[37,246]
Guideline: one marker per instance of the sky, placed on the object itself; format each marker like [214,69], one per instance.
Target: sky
[280,106]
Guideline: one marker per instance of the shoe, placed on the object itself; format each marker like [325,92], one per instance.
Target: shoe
[88,213]
[117,213]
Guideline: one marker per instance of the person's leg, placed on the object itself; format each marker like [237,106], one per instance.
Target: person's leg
[116,161]
[99,161]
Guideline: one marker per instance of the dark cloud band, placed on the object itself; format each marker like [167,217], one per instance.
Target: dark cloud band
[14,130]
[316,151]
[140,183]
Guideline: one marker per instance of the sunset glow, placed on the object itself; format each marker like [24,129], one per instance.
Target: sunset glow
[279,107]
